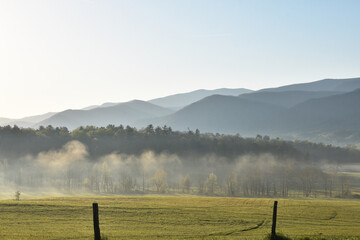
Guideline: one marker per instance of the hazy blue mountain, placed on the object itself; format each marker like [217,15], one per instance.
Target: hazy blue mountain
[90,107]
[108,104]
[332,119]
[21,124]
[224,114]
[123,113]
[324,110]
[26,121]
[37,118]
[180,100]
[332,85]
[4,121]
[286,99]
[323,114]
[177,101]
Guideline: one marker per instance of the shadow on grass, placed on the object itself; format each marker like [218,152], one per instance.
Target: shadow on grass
[104,237]
[278,236]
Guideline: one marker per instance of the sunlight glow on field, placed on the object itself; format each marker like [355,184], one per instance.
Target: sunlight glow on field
[155,217]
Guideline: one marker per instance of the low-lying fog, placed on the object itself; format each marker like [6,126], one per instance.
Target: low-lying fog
[70,171]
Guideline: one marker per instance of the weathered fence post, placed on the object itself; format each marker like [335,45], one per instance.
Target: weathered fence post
[96,221]
[273,228]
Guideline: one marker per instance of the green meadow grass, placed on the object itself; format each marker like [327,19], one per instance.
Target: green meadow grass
[184,217]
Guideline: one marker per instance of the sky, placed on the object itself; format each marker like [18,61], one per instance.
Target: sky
[61,54]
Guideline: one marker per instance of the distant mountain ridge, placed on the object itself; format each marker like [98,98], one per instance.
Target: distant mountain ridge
[224,114]
[122,113]
[325,110]
[332,85]
[332,112]
[133,113]
[286,98]
[322,118]
[26,121]
[5,120]
[180,100]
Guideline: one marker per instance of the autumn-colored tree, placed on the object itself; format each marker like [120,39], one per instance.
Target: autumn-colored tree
[160,181]
[211,184]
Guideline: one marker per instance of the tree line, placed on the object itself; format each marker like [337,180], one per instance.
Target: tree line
[118,159]
[16,142]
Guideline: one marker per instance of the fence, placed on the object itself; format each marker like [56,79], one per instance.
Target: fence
[97,235]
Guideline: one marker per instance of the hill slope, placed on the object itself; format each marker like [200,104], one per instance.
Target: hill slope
[26,121]
[4,121]
[180,100]
[225,114]
[332,85]
[286,99]
[328,113]
[123,113]
[332,119]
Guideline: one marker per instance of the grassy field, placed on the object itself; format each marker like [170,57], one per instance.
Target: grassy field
[184,217]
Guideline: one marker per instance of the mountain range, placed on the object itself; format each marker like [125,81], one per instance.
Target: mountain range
[122,113]
[181,100]
[26,121]
[326,110]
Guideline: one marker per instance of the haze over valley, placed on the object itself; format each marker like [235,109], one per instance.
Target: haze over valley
[322,111]
[181,119]
[224,132]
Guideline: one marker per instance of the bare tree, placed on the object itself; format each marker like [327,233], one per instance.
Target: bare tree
[345,187]
[327,181]
[332,174]
[232,184]
[201,184]
[309,176]
[17,195]
[185,184]
[107,183]
[160,181]
[94,178]
[211,184]
[127,183]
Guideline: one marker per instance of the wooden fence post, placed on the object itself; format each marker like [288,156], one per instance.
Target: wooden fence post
[96,221]
[273,228]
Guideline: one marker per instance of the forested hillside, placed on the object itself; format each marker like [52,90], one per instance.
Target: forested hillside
[17,142]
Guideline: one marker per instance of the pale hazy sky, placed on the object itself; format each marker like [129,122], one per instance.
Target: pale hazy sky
[59,54]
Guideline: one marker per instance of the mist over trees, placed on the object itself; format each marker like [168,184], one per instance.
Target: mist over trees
[124,160]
